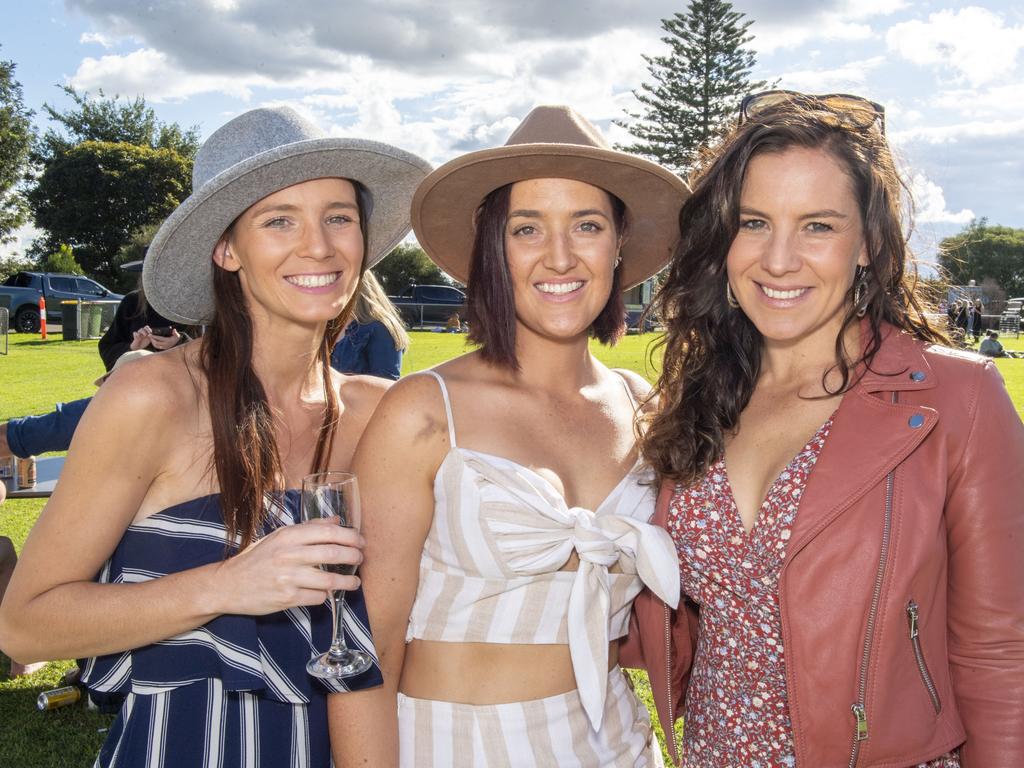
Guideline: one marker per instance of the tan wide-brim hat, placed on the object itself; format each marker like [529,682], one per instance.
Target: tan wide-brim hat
[252,156]
[552,142]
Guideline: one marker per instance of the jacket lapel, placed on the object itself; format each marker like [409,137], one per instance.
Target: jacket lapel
[870,436]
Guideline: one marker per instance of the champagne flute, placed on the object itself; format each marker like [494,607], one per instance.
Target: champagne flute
[325,495]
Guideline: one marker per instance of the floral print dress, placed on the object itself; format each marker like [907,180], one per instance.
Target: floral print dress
[736,706]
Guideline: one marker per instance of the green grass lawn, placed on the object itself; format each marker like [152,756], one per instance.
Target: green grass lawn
[37,374]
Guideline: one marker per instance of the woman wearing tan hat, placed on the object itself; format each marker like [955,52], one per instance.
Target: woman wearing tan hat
[177,491]
[507,516]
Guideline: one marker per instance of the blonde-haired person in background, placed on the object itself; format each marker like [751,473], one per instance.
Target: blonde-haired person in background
[373,342]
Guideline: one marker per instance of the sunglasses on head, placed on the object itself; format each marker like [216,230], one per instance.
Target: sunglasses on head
[849,111]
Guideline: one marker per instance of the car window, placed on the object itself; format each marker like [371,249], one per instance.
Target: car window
[64,284]
[89,287]
[21,280]
[451,295]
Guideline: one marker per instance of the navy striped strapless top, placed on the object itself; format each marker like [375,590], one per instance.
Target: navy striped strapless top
[246,673]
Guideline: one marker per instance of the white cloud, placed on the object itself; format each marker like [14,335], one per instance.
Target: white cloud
[1002,103]
[930,203]
[153,74]
[966,130]
[974,42]
[96,38]
[21,239]
[848,77]
[793,24]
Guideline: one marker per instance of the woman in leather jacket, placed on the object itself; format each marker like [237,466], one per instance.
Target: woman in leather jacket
[845,493]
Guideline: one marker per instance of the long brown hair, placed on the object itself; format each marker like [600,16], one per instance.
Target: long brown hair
[713,352]
[490,299]
[245,455]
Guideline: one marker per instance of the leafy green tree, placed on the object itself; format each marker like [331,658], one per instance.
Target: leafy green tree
[134,250]
[108,166]
[63,260]
[16,134]
[981,252]
[95,194]
[115,121]
[408,265]
[696,87]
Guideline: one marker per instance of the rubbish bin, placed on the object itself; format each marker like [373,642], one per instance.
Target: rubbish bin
[69,321]
[95,320]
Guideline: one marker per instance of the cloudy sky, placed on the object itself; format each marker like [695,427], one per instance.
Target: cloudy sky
[441,78]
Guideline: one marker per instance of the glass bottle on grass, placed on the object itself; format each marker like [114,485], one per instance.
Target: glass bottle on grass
[326,495]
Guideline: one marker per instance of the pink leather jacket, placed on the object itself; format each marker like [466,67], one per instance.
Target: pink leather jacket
[902,595]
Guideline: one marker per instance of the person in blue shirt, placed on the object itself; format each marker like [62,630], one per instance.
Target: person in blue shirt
[373,342]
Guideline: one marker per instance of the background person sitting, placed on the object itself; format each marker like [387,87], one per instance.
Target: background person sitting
[136,326]
[374,341]
[992,347]
[454,324]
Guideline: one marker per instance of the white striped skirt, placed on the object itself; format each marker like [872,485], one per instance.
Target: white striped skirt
[553,731]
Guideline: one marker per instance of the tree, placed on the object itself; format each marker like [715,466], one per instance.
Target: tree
[697,86]
[109,167]
[15,264]
[96,194]
[981,252]
[16,135]
[62,260]
[408,265]
[115,121]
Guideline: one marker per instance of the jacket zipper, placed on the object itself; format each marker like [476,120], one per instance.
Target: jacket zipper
[922,667]
[858,709]
[671,735]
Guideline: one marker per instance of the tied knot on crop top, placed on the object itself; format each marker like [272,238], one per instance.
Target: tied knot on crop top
[490,565]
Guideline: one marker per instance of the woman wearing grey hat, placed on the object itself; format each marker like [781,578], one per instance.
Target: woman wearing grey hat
[177,489]
[507,517]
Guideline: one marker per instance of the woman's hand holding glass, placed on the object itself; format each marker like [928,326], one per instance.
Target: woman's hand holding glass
[281,570]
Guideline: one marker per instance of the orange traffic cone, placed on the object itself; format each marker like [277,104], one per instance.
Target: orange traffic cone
[42,317]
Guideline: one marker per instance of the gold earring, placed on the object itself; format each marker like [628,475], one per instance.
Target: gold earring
[729,298]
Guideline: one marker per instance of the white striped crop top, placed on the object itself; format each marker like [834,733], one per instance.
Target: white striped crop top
[489,572]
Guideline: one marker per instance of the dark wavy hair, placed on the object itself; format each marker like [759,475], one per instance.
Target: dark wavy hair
[245,455]
[490,303]
[713,352]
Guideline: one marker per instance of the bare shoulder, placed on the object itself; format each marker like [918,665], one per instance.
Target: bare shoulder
[416,403]
[639,386]
[158,389]
[360,394]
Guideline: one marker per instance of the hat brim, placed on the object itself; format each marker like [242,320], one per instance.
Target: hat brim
[177,274]
[445,204]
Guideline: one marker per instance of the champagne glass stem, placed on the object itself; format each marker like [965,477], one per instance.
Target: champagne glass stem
[338,647]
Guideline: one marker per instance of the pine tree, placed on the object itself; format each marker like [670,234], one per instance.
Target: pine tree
[696,87]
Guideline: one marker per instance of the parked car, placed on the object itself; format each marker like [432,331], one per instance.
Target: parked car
[429,304]
[20,293]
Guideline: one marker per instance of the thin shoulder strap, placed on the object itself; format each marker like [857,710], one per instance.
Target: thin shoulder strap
[629,391]
[447,406]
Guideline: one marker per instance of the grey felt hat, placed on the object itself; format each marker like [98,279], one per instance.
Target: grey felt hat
[252,156]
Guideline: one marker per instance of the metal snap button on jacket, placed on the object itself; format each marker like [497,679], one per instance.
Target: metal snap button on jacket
[918,376]
[916,421]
